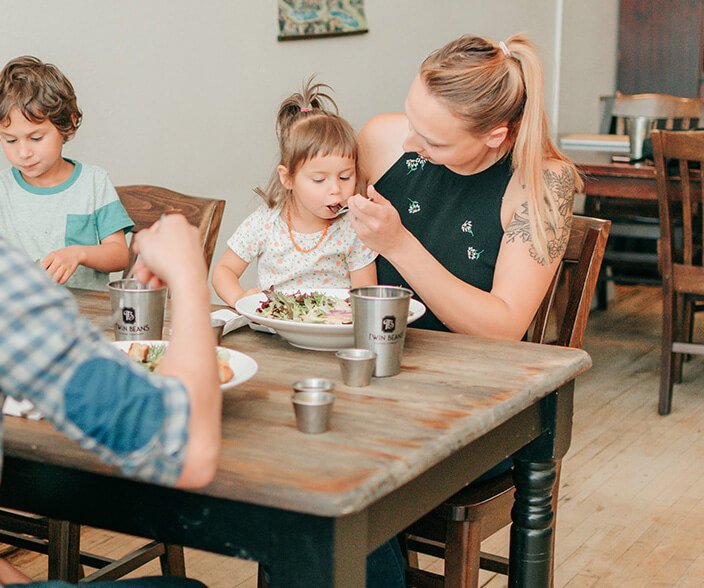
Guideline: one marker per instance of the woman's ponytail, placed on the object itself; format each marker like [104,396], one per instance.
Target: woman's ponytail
[533,145]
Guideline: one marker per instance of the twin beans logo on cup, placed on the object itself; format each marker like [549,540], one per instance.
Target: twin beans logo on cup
[138,310]
[128,326]
[387,334]
[128,316]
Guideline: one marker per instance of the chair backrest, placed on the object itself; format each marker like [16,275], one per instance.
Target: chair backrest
[146,204]
[663,110]
[680,203]
[568,301]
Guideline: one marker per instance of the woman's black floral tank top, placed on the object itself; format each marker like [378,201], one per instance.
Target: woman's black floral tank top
[457,218]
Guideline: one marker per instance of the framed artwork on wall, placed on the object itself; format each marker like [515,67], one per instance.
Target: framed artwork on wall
[308,19]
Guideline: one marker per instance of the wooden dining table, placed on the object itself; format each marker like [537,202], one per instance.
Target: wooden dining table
[619,180]
[622,180]
[313,506]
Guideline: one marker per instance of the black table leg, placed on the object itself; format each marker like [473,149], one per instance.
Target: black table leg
[531,533]
[531,557]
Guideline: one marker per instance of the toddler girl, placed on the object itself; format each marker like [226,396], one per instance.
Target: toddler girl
[296,237]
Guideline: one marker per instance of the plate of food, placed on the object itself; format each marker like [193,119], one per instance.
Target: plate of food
[233,367]
[318,318]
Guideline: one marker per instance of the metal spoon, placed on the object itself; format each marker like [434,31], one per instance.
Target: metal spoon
[345,209]
[342,210]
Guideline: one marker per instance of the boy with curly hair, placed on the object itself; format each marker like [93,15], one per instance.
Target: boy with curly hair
[64,214]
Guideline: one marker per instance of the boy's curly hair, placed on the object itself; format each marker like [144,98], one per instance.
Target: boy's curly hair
[40,92]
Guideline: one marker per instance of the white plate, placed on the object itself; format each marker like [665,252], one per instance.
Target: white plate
[243,365]
[310,335]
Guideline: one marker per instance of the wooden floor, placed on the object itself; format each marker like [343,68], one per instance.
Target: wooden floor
[631,509]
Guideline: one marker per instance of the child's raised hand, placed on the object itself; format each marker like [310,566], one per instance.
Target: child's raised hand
[62,263]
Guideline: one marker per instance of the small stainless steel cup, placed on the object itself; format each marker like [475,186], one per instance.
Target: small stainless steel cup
[313,409]
[218,326]
[138,309]
[314,385]
[380,314]
[357,366]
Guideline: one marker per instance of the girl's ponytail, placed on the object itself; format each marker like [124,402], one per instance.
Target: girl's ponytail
[307,124]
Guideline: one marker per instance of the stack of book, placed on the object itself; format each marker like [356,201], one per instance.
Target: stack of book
[605,143]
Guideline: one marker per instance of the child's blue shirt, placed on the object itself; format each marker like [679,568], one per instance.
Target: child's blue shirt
[83,210]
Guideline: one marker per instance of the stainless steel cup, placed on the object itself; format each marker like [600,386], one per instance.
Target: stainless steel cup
[313,409]
[638,129]
[138,310]
[357,366]
[379,315]
[314,385]
[218,327]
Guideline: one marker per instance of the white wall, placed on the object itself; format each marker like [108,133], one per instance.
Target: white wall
[588,62]
[182,94]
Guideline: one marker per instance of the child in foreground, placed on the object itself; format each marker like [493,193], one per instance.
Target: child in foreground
[295,236]
[65,215]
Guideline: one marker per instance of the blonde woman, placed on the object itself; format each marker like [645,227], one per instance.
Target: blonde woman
[470,202]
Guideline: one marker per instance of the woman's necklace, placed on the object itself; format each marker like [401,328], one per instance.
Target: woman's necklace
[293,241]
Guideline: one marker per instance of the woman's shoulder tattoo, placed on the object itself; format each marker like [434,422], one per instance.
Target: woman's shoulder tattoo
[561,190]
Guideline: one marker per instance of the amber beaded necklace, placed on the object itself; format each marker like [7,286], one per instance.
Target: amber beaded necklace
[296,246]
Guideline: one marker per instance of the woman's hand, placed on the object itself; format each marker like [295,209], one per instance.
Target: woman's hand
[62,263]
[377,222]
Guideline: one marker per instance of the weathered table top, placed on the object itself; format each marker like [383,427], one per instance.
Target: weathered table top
[452,389]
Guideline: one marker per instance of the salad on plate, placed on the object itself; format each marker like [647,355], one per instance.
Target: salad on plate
[306,307]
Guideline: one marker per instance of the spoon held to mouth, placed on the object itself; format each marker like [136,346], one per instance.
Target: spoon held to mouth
[342,210]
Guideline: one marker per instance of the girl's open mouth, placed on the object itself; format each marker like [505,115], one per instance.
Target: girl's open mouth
[338,209]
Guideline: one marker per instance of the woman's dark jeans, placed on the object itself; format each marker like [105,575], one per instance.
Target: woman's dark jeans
[385,567]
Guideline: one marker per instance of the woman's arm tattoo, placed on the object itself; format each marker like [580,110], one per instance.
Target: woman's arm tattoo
[561,189]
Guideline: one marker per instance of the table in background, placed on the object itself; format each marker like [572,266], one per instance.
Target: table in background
[625,194]
[619,180]
[313,506]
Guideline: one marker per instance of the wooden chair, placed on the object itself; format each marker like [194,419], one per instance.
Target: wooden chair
[663,111]
[146,204]
[682,231]
[454,531]
[60,540]
[631,256]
